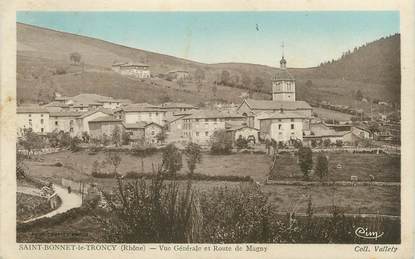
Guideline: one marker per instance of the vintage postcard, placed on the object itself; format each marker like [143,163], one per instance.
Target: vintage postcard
[236,131]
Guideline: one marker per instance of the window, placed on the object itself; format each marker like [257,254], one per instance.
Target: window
[41,115]
[56,123]
[206,133]
[30,122]
[292,120]
[292,126]
[197,120]
[152,132]
[279,126]
[41,130]
[30,115]
[197,134]
[157,114]
[41,121]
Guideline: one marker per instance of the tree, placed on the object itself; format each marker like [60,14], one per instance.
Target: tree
[114,159]
[125,138]
[221,142]
[161,136]
[246,80]
[339,143]
[225,77]
[74,144]
[75,58]
[85,137]
[305,158]
[172,159]
[258,83]
[214,89]
[180,82]
[199,75]
[327,142]
[30,141]
[193,153]
[20,166]
[359,95]
[322,168]
[116,136]
[241,143]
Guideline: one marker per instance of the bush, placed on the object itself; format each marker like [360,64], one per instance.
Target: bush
[241,143]
[194,176]
[58,164]
[221,142]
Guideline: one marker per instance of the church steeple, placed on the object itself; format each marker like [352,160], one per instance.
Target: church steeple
[283,62]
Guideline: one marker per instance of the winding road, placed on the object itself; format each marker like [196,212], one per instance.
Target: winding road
[69,201]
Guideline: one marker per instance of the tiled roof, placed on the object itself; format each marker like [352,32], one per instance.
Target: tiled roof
[138,125]
[106,119]
[283,115]
[65,114]
[31,109]
[277,105]
[173,118]
[140,107]
[177,105]
[106,111]
[282,74]
[206,114]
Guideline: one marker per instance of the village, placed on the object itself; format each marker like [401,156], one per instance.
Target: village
[283,119]
[150,148]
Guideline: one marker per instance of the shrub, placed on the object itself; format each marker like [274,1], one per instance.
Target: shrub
[221,142]
[241,143]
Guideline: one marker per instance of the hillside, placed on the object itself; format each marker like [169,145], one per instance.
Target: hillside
[43,67]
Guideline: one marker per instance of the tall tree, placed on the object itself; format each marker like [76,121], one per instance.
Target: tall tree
[259,83]
[246,80]
[75,58]
[116,136]
[193,153]
[172,159]
[225,77]
[114,159]
[199,75]
[322,167]
[305,159]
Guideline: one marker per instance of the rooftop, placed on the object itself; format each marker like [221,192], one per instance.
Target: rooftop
[65,114]
[282,74]
[177,105]
[138,125]
[31,109]
[106,119]
[140,107]
[282,115]
[277,105]
[206,114]
[106,111]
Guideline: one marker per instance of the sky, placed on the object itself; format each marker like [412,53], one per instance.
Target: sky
[215,37]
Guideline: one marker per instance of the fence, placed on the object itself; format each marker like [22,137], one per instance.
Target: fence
[40,151]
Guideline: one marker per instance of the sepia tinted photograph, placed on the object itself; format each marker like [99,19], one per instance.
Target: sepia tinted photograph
[261,127]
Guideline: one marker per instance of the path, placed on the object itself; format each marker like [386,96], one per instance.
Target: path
[69,201]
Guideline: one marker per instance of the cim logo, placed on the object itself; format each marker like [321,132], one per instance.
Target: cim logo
[366,234]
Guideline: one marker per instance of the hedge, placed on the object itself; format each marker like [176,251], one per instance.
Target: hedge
[195,176]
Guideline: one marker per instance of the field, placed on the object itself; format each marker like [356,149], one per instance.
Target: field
[79,165]
[357,199]
[383,167]
[366,199]
[331,115]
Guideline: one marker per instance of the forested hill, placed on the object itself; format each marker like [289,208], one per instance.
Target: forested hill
[375,62]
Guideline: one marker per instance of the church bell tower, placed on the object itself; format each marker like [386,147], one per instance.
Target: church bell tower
[283,83]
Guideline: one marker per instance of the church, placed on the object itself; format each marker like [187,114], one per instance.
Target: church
[283,118]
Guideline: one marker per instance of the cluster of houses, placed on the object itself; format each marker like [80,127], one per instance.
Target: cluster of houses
[283,118]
